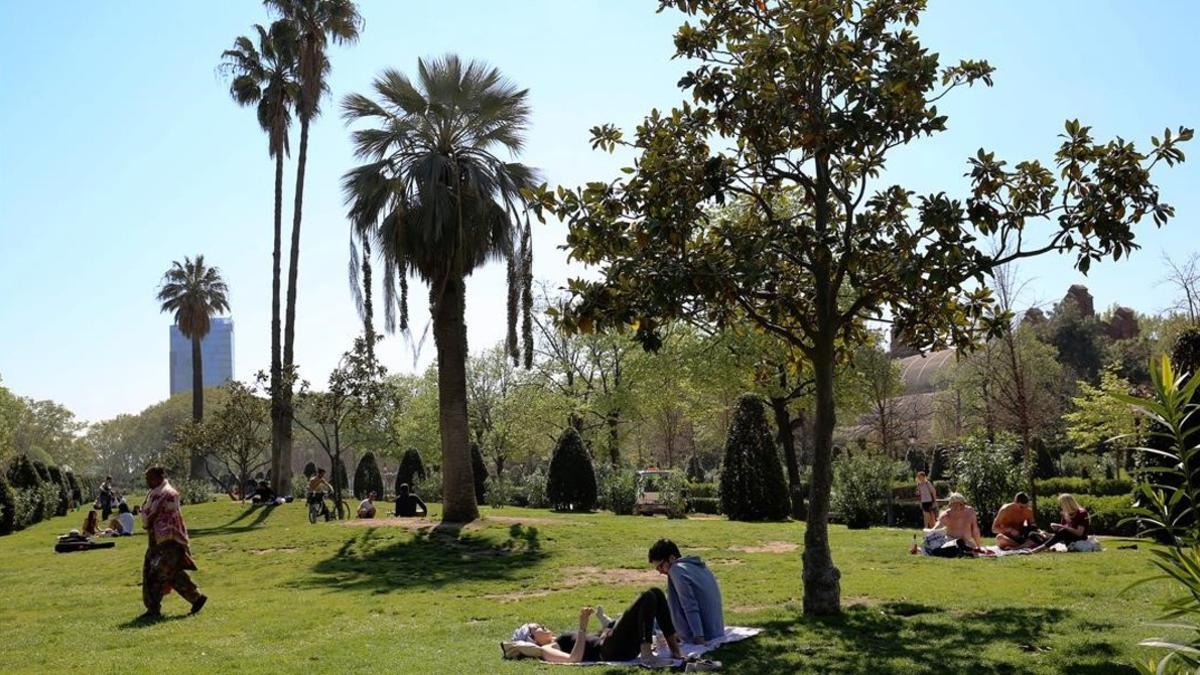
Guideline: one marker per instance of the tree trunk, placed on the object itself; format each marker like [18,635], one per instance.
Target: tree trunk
[822,587]
[196,467]
[277,416]
[284,475]
[783,422]
[613,419]
[368,306]
[450,336]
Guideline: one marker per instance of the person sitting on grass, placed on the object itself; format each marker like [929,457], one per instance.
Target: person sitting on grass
[962,528]
[1015,525]
[263,494]
[91,524]
[1075,525]
[630,638]
[927,494]
[408,503]
[693,595]
[366,508]
[124,520]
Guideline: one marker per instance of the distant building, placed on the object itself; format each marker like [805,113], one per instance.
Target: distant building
[216,354]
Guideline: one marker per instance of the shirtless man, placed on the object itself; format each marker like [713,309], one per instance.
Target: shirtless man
[961,523]
[1015,525]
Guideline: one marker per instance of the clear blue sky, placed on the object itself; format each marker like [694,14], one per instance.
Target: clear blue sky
[121,151]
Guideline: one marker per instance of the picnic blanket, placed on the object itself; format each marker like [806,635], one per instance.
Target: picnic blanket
[690,651]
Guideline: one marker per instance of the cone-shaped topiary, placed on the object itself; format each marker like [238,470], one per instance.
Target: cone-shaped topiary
[411,469]
[310,470]
[367,478]
[752,483]
[571,485]
[24,477]
[480,472]
[8,507]
[695,470]
[64,492]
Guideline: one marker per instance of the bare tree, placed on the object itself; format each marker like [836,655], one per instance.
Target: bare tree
[1184,277]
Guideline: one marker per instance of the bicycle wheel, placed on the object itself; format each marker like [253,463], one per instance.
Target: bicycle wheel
[312,514]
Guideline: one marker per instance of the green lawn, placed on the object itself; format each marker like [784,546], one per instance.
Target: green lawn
[289,596]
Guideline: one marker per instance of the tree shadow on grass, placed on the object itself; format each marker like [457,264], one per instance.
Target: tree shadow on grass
[433,558]
[261,513]
[910,637]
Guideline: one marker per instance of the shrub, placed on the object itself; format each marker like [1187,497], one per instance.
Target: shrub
[703,490]
[428,486]
[480,473]
[310,470]
[861,484]
[193,491]
[63,496]
[987,475]
[1185,353]
[411,470]
[300,486]
[367,478]
[571,485]
[752,482]
[618,491]
[695,470]
[25,480]
[532,490]
[43,471]
[8,507]
[1100,487]
[1086,465]
[672,494]
[709,505]
[500,492]
[75,488]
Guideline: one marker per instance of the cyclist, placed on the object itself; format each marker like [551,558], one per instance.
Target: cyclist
[318,487]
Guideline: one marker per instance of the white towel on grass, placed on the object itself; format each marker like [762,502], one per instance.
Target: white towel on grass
[732,634]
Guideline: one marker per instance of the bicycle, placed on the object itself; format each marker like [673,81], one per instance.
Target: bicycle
[316,507]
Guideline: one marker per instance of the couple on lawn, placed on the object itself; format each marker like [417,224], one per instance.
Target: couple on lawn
[690,611]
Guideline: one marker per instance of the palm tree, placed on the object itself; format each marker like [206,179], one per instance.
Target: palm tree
[439,203]
[314,23]
[265,77]
[194,292]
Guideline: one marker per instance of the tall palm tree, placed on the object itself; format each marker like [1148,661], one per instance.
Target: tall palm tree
[314,23]
[265,77]
[439,203]
[194,292]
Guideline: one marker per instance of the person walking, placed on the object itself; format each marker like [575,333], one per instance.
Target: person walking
[106,498]
[168,552]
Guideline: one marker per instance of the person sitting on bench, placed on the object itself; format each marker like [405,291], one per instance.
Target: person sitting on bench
[1015,525]
[408,503]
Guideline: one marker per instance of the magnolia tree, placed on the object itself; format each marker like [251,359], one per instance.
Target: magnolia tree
[804,101]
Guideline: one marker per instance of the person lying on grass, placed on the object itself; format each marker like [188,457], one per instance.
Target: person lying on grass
[631,637]
[1015,525]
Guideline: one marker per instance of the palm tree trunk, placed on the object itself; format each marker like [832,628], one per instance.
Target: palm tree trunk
[284,475]
[368,306]
[196,468]
[450,336]
[277,417]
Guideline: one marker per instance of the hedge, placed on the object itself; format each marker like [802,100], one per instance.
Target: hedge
[1100,487]
[8,507]
[907,492]
[709,505]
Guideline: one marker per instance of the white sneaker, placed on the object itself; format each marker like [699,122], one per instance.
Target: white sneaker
[655,661]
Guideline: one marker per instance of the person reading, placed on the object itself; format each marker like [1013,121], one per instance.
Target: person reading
[407,503]
[1015,525]
[693,595]
[1074,526]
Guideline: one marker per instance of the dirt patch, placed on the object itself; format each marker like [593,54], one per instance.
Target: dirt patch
[264,551]
[746,609]
[573,577]
[726,561]
[768,547]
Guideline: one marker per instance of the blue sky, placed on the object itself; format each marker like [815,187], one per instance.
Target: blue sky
[120,151]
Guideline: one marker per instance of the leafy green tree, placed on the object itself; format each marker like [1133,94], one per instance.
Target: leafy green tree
[439,203]
[807,99]
[571,485]
[1101,422]
[985,473]
[312,25]
[264,76]
[237,432]
[752,484]
[367,478]
[194,292]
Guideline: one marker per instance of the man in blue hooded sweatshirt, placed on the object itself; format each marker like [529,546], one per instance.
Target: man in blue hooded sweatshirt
[692,593]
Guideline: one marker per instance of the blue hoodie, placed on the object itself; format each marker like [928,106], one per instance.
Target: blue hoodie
[695,600]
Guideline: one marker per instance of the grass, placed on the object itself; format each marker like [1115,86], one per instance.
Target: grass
[289,596]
